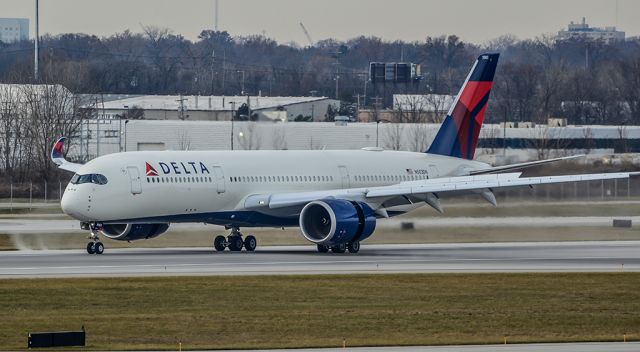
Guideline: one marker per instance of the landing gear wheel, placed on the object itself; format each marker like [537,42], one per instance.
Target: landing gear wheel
[99,248]
[323,248]
[219,243]
[354,247]
[250,243]
[339,248]
[235,243]
[91,248]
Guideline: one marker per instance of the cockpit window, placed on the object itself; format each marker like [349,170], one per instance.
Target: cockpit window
[97,179]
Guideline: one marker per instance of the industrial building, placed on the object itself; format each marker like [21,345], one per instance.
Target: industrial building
[423,108]
[583,31]
[211,108]
[14,29]
[496,141]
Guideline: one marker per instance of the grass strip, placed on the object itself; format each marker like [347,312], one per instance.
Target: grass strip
[324,310]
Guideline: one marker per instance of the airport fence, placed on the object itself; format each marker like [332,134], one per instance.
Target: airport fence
[32,193]
[50,192]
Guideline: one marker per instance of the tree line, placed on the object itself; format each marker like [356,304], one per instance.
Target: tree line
[587,82]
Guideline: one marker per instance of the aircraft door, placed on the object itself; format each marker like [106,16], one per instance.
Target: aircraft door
[220,182]
[344,175]
[433,172]
[134,177]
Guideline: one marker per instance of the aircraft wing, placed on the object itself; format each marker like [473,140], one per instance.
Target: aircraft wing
[58,157]
[500,181]
[519,166]
[423,190]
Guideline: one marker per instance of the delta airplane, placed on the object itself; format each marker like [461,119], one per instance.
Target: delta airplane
[335,197]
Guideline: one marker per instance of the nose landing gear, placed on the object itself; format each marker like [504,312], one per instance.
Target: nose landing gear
[95,246]
[234,242]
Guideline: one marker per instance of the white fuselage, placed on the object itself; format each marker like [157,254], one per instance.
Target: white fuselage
[211,186]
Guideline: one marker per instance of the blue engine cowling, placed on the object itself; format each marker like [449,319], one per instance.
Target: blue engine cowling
[133,232]
[336,221]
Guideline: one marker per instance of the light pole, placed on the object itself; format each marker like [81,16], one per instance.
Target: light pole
[233,117]
[378,120]
[36,44]
[125,135]
[242,91]
[364,92]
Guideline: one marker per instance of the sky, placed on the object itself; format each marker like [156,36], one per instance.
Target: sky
[409,20]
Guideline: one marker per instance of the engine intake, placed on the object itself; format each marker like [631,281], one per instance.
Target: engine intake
[133,232]
[336,221]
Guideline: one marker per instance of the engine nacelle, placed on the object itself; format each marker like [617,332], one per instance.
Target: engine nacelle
[336,221]
[133,232]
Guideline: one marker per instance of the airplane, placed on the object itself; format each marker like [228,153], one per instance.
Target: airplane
[335,197]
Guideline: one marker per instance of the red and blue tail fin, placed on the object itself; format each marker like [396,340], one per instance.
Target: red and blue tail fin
[458,135]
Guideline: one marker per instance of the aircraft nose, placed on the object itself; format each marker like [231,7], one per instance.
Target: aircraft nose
[70,204]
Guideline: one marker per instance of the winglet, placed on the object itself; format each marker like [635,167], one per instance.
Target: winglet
[57,156]
[56,152]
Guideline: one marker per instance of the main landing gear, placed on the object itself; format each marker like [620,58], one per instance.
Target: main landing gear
[234,242]
[352,247]
[94,246]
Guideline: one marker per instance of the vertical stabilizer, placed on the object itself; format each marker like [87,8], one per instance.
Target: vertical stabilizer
[458,135]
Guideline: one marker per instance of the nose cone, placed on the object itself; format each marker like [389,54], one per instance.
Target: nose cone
[71,205]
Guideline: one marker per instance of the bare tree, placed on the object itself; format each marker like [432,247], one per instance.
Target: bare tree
[541,142]
[623,137]
[419,136]
[393,135]
[410,108]
[490,134]
[279,138]
[184,140]
[249,137]
[589,142]
[51,111]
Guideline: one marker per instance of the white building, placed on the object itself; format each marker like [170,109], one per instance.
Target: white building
[211,108]
[583,31]
[520,144]
[14,29]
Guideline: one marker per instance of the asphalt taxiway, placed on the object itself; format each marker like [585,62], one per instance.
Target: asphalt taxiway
[601,256]
[24,223]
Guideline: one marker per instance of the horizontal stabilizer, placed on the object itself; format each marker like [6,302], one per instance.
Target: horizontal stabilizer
[519,166]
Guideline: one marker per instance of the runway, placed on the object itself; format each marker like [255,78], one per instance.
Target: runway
[24,223]
[614,256]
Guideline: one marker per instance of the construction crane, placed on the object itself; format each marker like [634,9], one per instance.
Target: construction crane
[306,33]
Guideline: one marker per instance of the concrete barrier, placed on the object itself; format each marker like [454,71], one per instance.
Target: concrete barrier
[622,223]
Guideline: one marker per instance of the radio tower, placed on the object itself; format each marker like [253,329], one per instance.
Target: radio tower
[215,15]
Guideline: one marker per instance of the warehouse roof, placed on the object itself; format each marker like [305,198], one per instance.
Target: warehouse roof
[203,103]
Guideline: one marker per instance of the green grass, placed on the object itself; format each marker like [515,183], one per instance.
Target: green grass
[307,311]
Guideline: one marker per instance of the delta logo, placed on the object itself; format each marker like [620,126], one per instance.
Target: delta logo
[150,170]
[177,168]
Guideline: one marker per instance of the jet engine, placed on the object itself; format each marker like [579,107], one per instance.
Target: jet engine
[133,232]
[336,221]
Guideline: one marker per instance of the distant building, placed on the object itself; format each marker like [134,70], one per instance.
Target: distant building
[211,108]
[583,31]
[14,29]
